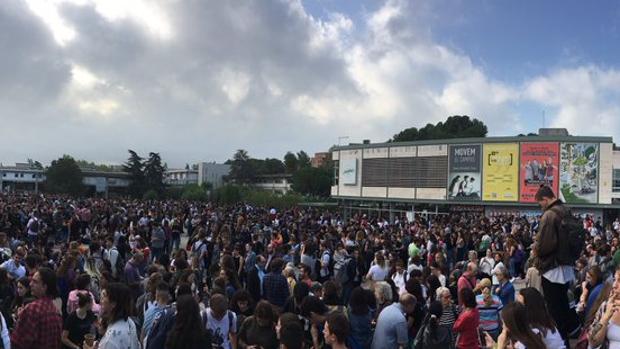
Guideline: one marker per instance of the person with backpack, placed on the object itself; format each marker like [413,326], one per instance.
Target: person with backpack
[221,323]
[185,334]
[112,255]
[558,244]
[32,228]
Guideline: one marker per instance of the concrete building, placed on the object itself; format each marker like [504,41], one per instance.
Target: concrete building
[210,172]
[276,183]
[22,177]
[492,175]
[319,159]
[180,177]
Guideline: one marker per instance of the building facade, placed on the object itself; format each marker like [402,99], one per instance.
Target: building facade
[180,177]
[275,183]
[493,175]
[22,177]
[210,172]
[319,159]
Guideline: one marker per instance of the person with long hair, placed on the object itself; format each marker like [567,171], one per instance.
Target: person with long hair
[604,324]
[82,284]
[79,322]
[259,330]
[186,334]
[119,329]
[539,318]
[360,317]
[590,289]
[516,330]
[466,326]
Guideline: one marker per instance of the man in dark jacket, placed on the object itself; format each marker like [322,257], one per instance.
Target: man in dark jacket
[255,278]
[554,260]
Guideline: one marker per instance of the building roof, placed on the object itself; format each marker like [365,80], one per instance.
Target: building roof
[580,139]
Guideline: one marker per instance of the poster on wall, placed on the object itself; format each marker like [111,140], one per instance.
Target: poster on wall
[501,172]
[579,173]
[539,166]
[464,180]
[348,171]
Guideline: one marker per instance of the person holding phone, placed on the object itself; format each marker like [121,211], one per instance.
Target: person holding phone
[516,331]
[606,325]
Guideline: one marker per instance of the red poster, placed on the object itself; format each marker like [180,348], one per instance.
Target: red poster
[539,165]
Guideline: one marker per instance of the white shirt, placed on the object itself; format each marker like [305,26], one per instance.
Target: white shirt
[561,274]
[552,340]
[377,273]
[6,339]
[220,329]
[487,264]
[399,282]
[495,270]
[442,280]
[120,335]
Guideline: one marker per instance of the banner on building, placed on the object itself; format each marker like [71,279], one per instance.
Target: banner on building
[464,180]
[501,172]
[539,166]
[579,173]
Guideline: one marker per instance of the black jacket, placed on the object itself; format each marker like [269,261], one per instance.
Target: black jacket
[254,284]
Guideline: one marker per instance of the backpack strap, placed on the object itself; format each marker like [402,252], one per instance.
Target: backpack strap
[230,320]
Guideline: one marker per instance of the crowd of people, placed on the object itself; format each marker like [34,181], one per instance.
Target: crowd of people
[129,274]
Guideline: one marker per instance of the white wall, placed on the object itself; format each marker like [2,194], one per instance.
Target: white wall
[433,150]
[350,190]
[606,165]
[374,192]
[375,153]
[403,152]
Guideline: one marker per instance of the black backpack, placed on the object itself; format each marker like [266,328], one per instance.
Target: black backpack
[34,227]
[575,232]
[162,324]
[119,266]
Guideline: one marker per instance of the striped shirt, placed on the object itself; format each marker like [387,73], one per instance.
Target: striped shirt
[489,314]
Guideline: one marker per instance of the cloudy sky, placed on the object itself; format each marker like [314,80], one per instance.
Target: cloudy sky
[197,79]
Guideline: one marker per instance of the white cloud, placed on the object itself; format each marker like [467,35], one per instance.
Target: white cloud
[200,79]
[583,99]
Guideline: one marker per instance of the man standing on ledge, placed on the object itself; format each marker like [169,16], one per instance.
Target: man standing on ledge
[555,262]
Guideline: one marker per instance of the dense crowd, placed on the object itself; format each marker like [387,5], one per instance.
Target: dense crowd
[99,273]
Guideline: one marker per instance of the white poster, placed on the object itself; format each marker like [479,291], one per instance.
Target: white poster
[348,171]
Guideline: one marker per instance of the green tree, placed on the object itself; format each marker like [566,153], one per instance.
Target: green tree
[34,164]
[64,176]
[454,127]
[228,194]
[273,166]
[154,173]
[303,160]
[242,169]
[312,181]
[135,167]
[194,192]
[290,162]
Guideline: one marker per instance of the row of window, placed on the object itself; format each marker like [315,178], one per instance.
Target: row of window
[21,175]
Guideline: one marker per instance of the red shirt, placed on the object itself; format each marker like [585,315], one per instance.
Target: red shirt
[465,281]
[466,326]
[39,326]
